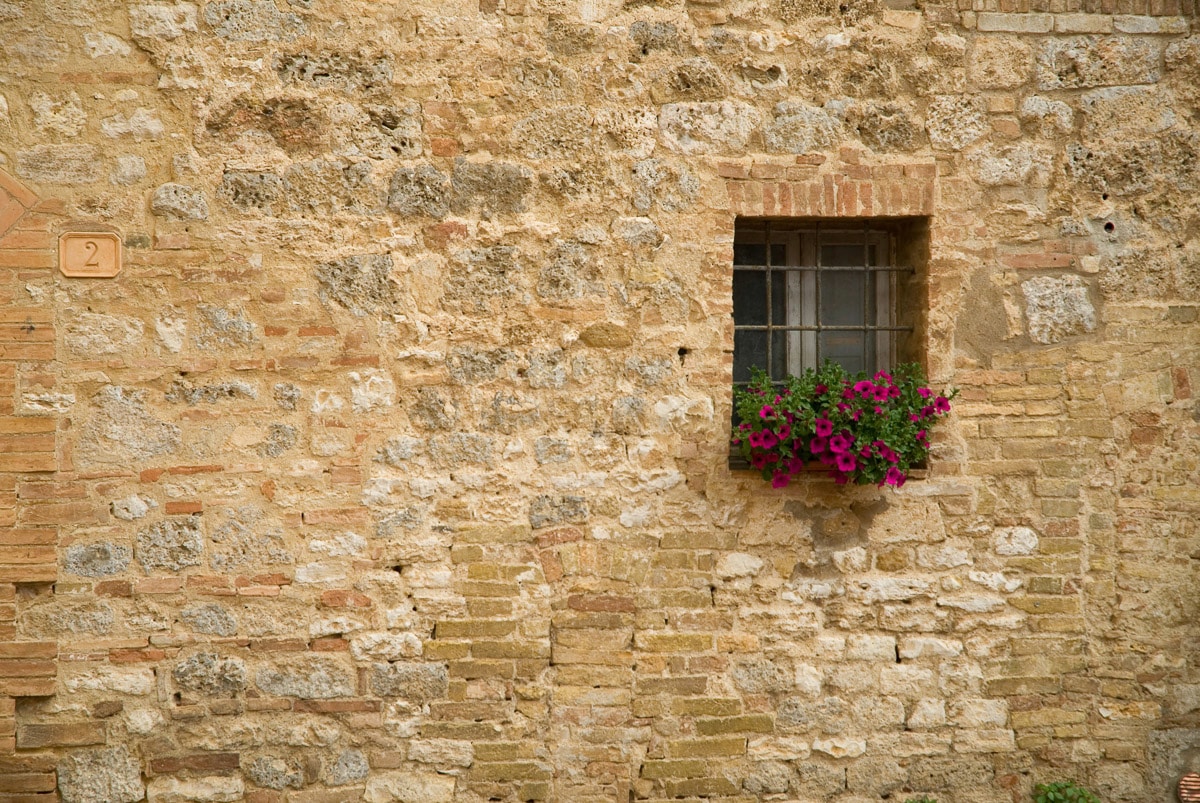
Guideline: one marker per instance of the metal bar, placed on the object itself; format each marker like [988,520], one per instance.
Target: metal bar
[770,303]
[866,300]
[876,268]
[820,328]
[817,276]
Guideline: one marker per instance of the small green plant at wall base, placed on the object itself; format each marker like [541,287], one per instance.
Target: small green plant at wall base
[1063,792]
[864,429]
[922,799]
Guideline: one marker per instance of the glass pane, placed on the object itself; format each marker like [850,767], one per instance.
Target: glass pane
[778,254]
[846,255]
[749,298]
[749,254]
[845,348]
[842,296]
[749,348]
[779,344]
[778,298]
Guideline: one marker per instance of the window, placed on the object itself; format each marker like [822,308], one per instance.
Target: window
[807,291]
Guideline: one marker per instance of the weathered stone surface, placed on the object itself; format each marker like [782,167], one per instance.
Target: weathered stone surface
[309,678]
[107,775]
[797,128]
[172,544]
[351,767]
[1052,117]
[207,789]
[1012,166]
[162,20]
[711,127]
[97,560]
[1125,112]
[409,787]
[414,682]
[63,116]
[210,674]
[59,164]
[120,428]
[1057,308]
[360,283]
[91,333]
[441,752]
[1000,62]
[421,190]
[250,21]
[955,121]
[209,618]
[272,772]
[179,202]
[1088,61]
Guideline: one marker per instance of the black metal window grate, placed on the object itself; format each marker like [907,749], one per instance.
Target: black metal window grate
[805,292]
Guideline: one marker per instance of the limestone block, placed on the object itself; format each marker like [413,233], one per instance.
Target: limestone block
[251,21]
[102,43]
[415,682]
[554,133]
[307,677]
[798,128]
[351,766]
[162,21]
[1126,112]
[1057,308]
[132,681]
[886,125]
[955,121]
[1010,541]
[100,559]
[840,747]
[1089,61]
[63,116]
[441,752]
[108,775]
[209,618]
[371,390]
[132,507]
[979,713]
[1021,165]
[385,646]
[90,333]
[180,202]
[141,124]
[769,777]
[927,714]
[998,62]
[210,674]
[206,789]
[1052,117]
[171,544]
[409,787]
[709,127]
[917,647]
[738,564]
[121,429]
[272,772]
[59,164]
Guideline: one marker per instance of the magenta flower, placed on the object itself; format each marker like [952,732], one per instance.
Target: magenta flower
[863,388]
[846,462]
[780,479]
[857,414]
[820,390]
[768,439]
[926,411]
[795,465]
[839,444]
[883,376]
[758,460]
[839,477]
[879,393]
[878,411]
[756,440]
[823,427]
[924,393]
[895,477]
[818,445]
[766,412]
[848,393]
[941,404]
[893,392]
[785,432]
[921,438]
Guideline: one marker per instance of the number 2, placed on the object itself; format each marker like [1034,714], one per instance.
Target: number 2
[92,261]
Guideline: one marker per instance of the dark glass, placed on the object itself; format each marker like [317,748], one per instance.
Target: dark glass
[778,355]
[749,349]
[749,254]
[749,298]
[842,293]
[848,349]
[846,255]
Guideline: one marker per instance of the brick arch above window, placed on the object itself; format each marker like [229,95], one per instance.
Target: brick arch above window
[814,186]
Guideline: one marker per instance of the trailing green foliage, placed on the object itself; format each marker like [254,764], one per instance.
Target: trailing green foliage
[1063,792]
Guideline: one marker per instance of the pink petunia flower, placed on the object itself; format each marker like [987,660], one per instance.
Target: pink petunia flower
[846,462]
[894,476]
[780,479]
[818,445]
[883,376]
[768,439]
[820,390]
[863,388]
[880,393]
[839,444]
[756,440]
[941,404]
[823,427]
[766,412]
[784,432]
[924,393]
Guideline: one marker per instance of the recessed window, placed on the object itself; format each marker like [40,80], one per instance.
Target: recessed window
[808,291]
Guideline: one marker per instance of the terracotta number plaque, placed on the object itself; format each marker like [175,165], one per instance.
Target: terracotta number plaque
[90,255]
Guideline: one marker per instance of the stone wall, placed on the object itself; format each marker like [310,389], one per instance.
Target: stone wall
[394,464]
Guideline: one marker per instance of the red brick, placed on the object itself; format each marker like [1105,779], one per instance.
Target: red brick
[336,706]
[342,598]
[180,508]
[70,734]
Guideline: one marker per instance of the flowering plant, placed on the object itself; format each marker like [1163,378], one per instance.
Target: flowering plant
[865,429]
